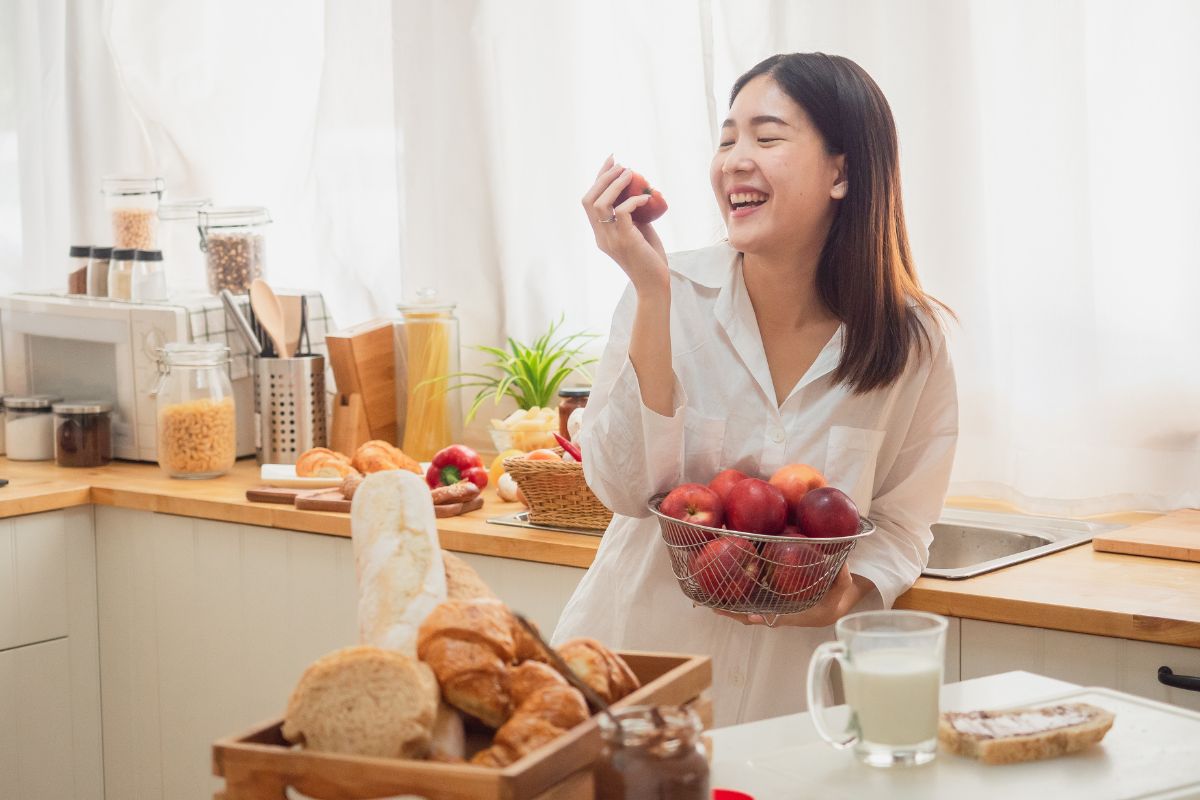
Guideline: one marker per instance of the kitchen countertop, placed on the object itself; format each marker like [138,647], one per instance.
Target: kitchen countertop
[1079,590]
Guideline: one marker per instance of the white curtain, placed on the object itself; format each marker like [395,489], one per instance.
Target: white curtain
[1046,149]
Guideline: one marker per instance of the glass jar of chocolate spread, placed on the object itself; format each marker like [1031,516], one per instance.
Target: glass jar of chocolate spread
[82,434]
[652,756]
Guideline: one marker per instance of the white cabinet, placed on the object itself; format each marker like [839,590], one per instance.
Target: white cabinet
[49,669]
[1123,664]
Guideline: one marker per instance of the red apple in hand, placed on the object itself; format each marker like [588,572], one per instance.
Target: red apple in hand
[648,211]
[755,506]
[726,569]
[795,481]
[826,513]
[695,503]
[797,567]
[725,480]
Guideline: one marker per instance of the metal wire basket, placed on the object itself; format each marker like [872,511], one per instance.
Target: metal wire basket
[751,573]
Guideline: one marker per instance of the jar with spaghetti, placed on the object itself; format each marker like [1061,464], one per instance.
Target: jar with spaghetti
[133,206]
[197,421]
[428,413]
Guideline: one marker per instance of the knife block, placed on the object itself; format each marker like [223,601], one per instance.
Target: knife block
[350,428]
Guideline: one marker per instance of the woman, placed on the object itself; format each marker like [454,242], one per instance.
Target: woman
[805,337]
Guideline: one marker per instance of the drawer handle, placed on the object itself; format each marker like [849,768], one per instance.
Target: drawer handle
[1169,678]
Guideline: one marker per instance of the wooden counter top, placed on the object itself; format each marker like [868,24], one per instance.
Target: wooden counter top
[1080,590]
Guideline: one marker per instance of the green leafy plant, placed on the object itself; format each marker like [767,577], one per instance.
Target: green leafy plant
[528,373]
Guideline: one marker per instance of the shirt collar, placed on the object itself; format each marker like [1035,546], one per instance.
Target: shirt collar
[711,266]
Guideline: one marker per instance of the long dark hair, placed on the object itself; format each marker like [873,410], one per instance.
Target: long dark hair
[866,275]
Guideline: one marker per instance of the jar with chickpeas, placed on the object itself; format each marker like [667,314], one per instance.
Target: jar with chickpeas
[197,421]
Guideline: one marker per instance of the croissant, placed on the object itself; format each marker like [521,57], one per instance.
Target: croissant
[598,667]
[321,462]
[378,455]
[546,706]
[469,645]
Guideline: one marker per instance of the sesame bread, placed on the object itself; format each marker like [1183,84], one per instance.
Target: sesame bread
[1023,734]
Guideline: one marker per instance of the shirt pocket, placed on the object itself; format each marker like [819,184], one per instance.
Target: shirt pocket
[850,463]
[703,439]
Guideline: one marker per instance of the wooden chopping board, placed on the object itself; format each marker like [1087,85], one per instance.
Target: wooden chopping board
[1175,535]
[332,500]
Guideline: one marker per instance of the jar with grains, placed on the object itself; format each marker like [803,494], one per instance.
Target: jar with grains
[82,434]
[77,268]
[652,752]
[120,275]
[234,247]
[197,434]
[29,427]
[179,237]
[97,272]
[133,206]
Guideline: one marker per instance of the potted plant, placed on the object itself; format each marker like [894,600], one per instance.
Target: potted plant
[531,375]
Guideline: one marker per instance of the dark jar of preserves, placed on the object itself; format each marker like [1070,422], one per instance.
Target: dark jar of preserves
[569,399]
[82,434]
[652,753]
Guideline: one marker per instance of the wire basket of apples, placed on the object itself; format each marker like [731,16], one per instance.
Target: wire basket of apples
[746,545]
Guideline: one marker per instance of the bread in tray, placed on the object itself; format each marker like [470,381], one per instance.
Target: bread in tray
[1023,734]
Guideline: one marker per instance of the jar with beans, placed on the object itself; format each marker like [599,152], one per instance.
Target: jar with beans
[82,434]
[197,434]
[234,246]
[133,206]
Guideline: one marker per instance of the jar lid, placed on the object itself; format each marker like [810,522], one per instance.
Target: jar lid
[131,184]
[232,216]
[83,407]
[147,255]
[426,304]
[123,255]
[575,391]
[31,401]
[102,252]
[78,250]
[183,209]
[198,354]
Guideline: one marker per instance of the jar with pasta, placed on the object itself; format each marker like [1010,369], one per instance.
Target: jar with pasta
[429,415]
[197,433]
[132,204]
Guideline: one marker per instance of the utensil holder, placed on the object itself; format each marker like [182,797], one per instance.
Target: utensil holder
[289,407]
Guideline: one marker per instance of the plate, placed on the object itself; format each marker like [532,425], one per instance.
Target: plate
[284,476]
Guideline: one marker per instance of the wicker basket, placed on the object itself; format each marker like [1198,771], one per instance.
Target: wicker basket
[557,493]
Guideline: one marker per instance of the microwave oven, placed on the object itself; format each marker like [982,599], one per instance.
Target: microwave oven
[83,348]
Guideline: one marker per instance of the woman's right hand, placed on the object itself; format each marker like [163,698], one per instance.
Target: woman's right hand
[636,248]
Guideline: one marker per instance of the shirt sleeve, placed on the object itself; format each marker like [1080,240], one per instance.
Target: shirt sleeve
[910,498]
[630,452]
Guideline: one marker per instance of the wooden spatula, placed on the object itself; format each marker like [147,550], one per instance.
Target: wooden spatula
[292,317]
[270,315]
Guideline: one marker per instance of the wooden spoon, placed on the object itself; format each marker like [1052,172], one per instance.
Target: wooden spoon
[270,315]
[289,304]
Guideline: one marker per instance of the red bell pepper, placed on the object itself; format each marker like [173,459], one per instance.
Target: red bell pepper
[454,464]
[569,447]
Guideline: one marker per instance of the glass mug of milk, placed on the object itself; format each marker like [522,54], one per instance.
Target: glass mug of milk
[891,672]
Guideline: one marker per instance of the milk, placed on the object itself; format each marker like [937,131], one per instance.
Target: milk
[894,694]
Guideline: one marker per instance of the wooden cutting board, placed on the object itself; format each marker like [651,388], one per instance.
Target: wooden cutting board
[332,500]
[1175,535]
[363,363]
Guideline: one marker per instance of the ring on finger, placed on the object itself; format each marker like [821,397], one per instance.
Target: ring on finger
[612,217]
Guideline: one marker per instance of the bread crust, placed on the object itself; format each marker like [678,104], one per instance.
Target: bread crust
[598,667]
[378,455]
[321,462]
[546,706]
[1023,734]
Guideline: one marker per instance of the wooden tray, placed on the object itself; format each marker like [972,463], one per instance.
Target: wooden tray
[261,765]
[332,500]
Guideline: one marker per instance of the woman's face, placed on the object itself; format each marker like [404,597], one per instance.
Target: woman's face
[772,176]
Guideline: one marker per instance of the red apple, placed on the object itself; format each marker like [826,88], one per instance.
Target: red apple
[795,481]
[826,513]
[695,503]
[724,481]
[796,567]
[726,569]
[755,506]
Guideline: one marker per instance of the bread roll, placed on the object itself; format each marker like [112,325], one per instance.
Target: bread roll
[1023,734]
[546,706]
[378,455]
[364,701]
[469,644]
[401,577]
[321,462]
[463,582]
[598,667]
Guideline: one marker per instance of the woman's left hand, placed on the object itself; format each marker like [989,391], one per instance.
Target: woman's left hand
[842,596]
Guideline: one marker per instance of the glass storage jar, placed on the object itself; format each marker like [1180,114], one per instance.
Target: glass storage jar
[132,204]
[652,752]
[178,231]
[120,275]
[569,399]
[82,434]
[97,272]
[197,435]
[149,281]
[428,414]
[234,246]
[77,268]
[29,427]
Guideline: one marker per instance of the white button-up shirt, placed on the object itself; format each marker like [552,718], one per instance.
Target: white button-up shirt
[890,449]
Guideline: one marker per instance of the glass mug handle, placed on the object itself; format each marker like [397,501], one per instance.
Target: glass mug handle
[818,670]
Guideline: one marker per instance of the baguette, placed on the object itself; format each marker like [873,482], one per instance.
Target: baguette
[1023,734]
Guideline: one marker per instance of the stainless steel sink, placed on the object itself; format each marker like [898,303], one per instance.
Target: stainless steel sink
[968,543]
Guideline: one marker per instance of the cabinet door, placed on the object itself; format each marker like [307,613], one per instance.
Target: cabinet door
[1122,664]
[33,579]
